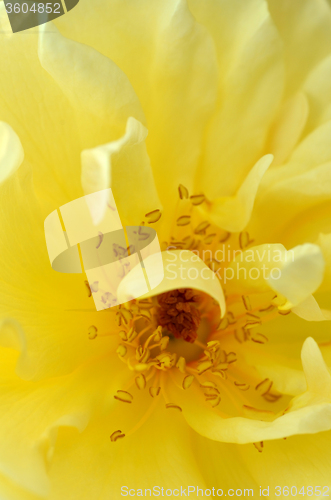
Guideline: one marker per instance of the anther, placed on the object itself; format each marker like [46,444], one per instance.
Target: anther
[171,405]
[116,435]
[187,381]
[201,228]
[197,199]
[183,192]
[140,381]
[154,391]
[247,303]
[153,216]
[92,332]
[124,396]
[259,446]
[121,350]
[184,220]
[259,338]
[89,293]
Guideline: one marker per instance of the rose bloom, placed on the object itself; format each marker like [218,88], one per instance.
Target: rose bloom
[211,122]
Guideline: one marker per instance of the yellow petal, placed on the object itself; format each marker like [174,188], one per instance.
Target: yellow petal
[297,462]
[301,273]
[246,108]
[11,151]
[232,213]
[156,454]
[53,309]
[32,412]
[97,86]
[288,128]
[124,166]
[324,241]
[311,311]
[308,413]
[305,28]
[318,90]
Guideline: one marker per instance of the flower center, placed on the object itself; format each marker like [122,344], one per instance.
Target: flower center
[180,332]
[178,314]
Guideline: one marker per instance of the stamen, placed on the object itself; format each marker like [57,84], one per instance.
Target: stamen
[197,199]
[284,313]
[184,220]
[92,332]
[171,405]
[89,293]
[201,228]
[246,302]
[183,192]
[187,381]
[209,239]
[140,381]
[259,446]
[116,435]
[154,391]
[259,338]
[124,396]
[153,216]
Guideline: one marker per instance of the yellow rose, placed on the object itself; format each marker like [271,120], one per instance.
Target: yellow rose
[216,114]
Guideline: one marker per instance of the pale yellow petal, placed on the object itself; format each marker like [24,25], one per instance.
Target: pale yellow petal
[288,128]
[318,90]
[301,274]
[246,108]
[53,309]
[232,213]
[170,60]
[297,462]
[308,413]
[305,29]
[159,453]
[32,412]
[11,151]
[97,88]
[124,166]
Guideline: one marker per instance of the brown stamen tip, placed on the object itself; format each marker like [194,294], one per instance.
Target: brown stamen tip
[178,314]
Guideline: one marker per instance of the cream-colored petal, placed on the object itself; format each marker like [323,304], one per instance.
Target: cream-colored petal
[311,311]
[324,241]
[32,412]
[124,166]
[318,90]
[170,60]
[53,309]
[288,127]
[301,273]
[246,107]
[182,269]
[11,151]
[33,106]
[293,203]
[308,413]
[232,213]
[305,29]
[293,274]
[96,87]
[159,453]
[297,462]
